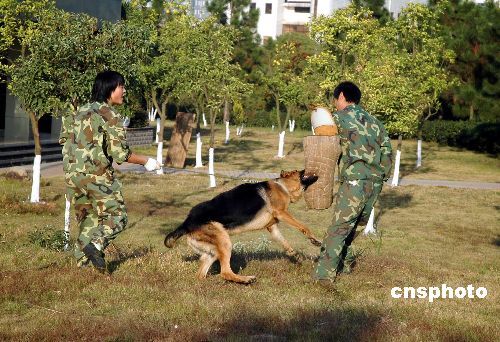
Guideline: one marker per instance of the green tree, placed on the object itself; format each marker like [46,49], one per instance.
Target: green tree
[209,74]
[472,31]
[18,20]
[400,67]
[159,71]
[65,54]
[377,7]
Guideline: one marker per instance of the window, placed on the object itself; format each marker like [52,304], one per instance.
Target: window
[302,9]
[269,8]
[295,28]
[253,6]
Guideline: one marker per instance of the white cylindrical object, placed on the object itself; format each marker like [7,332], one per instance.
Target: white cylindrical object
[370,227]
[321,117]
[211,167]
[419,153]
[66,222]
[395,176]
[281,144]
[227,132]
[272,127]
[293,125]
[199,162]
[159,157]
[158,122]
[204,120]
[290,126]
[35,186]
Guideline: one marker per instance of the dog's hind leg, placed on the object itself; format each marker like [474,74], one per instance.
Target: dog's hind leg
[223,247]
[202,242]
[278,237]
[206,260]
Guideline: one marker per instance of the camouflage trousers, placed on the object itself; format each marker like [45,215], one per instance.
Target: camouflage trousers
[99,208]
[353,204]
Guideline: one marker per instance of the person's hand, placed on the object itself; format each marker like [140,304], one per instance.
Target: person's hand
[152,165]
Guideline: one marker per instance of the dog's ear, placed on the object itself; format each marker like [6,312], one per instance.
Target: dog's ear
[284,174]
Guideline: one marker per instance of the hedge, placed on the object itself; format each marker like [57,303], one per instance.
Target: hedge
[476,136]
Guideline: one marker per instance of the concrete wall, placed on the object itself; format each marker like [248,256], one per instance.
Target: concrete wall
[17,122]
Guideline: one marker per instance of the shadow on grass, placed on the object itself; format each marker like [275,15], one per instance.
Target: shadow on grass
[119,256]
[337,324]
[391,200]
[240,260]
[496,241]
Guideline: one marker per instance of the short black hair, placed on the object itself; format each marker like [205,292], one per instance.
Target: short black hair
[104,84]
[350,90]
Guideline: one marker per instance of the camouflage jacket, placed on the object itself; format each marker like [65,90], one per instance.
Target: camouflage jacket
[92,139]
[366,147]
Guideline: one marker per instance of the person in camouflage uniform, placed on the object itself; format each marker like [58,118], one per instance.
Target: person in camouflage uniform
[366,163]
[92,140]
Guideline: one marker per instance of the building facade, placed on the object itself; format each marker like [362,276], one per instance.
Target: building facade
[282,16]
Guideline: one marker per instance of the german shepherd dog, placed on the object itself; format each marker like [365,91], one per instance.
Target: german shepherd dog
[249,206]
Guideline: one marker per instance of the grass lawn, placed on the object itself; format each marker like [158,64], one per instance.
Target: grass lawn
[428,236]
[256,149]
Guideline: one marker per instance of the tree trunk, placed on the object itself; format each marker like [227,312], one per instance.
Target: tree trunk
[179,141]
[212,127]
[35,186]
[226,110]
[278,116]
[419,148]
[395,177]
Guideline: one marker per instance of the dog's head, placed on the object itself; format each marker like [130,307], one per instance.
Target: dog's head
[296,182]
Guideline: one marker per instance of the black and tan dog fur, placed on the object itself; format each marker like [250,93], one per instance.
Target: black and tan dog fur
[249,206]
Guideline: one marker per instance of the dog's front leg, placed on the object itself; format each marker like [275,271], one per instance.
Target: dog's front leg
[285,216]
[278,237]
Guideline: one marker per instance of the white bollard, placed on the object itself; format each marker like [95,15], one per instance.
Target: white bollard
[281,145]
[290,128]
[419,153]
[211,167]
[272,127]
[35,186]
[227,133]
[395,176]
[66,222]
[159,157]
[293,125]
[199,163]
[370,227]
[158,122]
[204,120]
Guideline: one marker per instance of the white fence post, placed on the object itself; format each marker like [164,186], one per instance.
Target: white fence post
[199,162]
[211,167]
[35,186]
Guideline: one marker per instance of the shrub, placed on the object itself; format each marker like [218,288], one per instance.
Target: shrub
[49,238]
[482,137]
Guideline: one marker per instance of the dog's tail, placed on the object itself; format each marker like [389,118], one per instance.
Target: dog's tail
[176,234]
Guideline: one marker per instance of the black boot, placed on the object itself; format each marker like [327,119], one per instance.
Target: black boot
[96,257]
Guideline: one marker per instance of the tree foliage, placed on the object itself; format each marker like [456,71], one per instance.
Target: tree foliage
[18,20]
[399,66]
[473,31]
[66,53]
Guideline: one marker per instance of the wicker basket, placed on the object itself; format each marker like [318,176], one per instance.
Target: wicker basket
[321,156]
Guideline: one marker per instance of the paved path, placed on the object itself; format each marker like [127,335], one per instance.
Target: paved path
[55,169]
